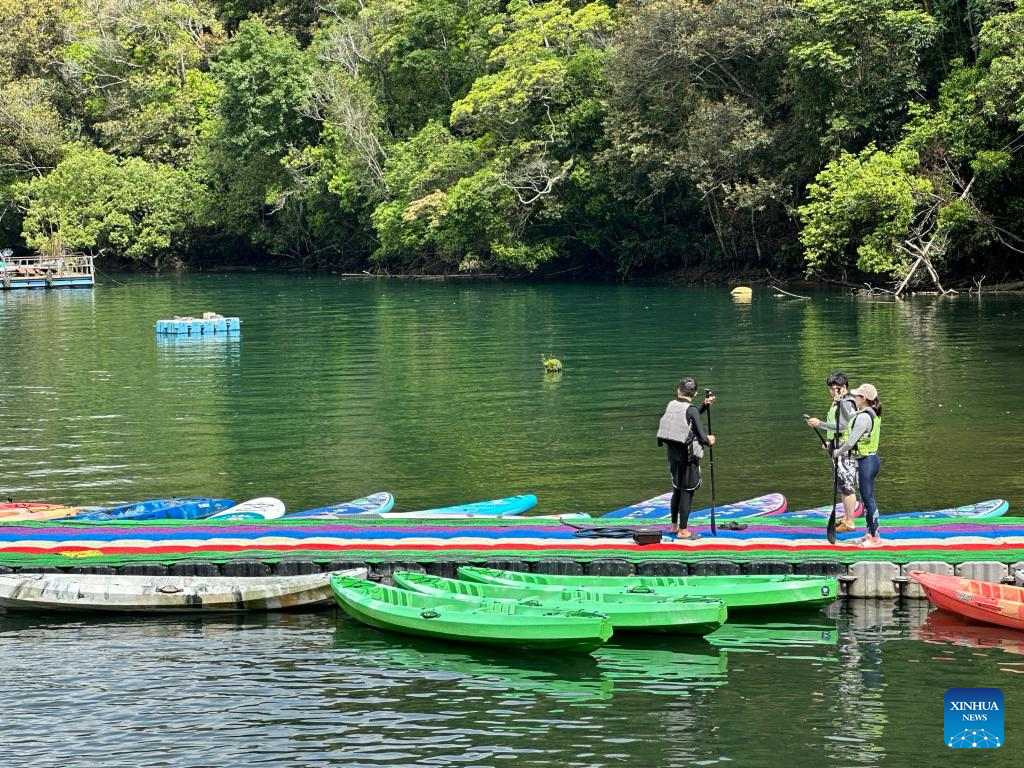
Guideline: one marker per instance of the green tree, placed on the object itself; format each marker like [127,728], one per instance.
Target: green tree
[696,121]
[96,203]
[855,65]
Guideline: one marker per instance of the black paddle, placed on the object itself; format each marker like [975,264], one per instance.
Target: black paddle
[711,460]
[831,530]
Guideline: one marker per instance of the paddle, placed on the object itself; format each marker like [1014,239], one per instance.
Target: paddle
[711,461]
[819,433]
[831,531]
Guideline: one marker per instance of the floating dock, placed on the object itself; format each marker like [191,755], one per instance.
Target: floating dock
[308,546]
[210,324]
[46,272]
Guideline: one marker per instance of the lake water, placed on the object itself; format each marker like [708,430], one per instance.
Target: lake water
[862,685]
[435,391]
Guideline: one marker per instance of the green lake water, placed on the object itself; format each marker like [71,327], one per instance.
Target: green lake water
[435,391]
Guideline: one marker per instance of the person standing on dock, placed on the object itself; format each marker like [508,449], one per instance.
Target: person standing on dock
[684,437]
[862,444]
[837,425]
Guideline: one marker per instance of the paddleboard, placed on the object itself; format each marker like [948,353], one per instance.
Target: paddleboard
[263,508]
[509,506]
[188,508]
[25,511]
[374,504]
[981,510]
[660,506]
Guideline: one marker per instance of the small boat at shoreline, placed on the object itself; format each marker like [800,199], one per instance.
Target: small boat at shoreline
[983,601]
[490,622]
[750,592]
[670,614]
[66,592]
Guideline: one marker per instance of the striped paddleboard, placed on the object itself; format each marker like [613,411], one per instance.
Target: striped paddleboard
[659,507]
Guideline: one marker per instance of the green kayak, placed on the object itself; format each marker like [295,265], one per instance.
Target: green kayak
[737,592]
[667,614]
[491,622]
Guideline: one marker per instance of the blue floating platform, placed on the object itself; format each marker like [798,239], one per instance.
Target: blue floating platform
[199,326]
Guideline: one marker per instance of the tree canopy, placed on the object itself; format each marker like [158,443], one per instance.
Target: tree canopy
[872,139]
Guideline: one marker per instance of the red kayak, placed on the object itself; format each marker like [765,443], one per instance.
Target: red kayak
[976,600]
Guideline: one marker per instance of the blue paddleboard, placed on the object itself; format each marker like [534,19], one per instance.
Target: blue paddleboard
[374,504]
[659,507]
[263,508]
[188,508]
[510,505]
[981,510]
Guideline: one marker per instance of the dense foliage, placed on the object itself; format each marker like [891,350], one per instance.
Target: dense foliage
[847,138]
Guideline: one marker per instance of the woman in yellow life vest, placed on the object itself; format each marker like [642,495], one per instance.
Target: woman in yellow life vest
[862,444]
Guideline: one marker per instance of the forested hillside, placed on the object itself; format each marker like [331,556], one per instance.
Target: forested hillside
[857,139]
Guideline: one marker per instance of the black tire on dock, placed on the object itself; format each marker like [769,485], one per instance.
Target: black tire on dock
[714,568]
[296,568]
[820,568]
[508,564]
[445,569]
[143,569]
[766,568]
[189,568]
[610,566]
[662,568]
[96,570]
[384,571]
[245,568]
[558,566]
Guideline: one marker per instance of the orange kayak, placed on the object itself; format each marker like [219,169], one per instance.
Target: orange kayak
[26,511]
[982,601]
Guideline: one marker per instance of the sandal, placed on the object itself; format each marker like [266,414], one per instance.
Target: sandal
[732,525]
[691,536]
[846,525]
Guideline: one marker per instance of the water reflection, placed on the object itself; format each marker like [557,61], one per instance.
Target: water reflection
[943,628]
[495,670]
[827,688]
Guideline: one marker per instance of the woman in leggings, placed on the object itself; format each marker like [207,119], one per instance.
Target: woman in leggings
[862,444]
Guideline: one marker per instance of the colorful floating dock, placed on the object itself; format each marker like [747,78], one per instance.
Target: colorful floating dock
[989,551]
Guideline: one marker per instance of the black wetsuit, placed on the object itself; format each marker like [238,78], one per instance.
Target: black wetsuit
[684,467]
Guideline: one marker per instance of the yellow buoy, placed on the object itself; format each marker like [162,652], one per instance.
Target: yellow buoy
[742,292]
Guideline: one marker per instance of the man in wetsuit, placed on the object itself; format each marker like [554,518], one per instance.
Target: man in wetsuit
[684,438]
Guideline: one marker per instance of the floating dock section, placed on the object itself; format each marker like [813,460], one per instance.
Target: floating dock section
[46,272]
[991,552]
[210,324]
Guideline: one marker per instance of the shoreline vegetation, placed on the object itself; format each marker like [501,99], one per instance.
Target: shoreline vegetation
[871,144]
[776,286]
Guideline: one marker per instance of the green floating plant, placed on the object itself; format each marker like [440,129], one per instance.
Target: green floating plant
[551,364]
